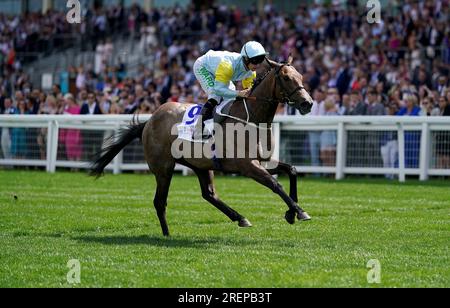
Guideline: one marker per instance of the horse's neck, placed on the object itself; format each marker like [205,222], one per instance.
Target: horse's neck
[260,110]
[265,107]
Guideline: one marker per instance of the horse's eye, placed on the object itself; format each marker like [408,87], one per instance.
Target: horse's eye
[286,78]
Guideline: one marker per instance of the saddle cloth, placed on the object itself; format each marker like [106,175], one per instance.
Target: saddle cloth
[189,128]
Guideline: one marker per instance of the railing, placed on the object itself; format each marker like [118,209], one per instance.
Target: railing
[390,146]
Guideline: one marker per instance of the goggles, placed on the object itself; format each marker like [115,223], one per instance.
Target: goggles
[257,60]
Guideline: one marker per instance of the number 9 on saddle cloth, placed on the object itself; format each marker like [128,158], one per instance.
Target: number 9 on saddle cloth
[190,129]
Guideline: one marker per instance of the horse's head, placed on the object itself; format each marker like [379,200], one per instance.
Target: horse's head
[289,86]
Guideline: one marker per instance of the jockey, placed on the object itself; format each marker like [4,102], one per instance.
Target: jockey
[217,70]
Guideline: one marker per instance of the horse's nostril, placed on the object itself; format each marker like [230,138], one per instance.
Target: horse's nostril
[306,108]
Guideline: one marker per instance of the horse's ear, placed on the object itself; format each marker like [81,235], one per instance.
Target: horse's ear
[290,59]
[272,64]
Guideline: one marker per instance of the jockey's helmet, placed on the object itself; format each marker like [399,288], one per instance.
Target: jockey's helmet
[254,52]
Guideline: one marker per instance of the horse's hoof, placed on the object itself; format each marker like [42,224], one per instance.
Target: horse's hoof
[244,223]
[303,216]
[290,217]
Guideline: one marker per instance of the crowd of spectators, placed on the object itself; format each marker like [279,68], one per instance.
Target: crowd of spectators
[23,37]
[399,66]
[335,48]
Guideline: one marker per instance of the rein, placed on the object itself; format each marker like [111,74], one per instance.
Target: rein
[285,99]
[247,122]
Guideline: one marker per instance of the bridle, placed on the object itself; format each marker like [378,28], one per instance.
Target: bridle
[285,98]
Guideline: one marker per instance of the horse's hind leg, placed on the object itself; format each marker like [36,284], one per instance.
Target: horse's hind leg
[206,179]
[163,180]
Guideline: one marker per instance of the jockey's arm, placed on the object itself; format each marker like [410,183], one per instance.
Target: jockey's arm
[248,82]
[224,73]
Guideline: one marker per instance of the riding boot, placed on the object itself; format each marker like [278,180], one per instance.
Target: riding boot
[207,114]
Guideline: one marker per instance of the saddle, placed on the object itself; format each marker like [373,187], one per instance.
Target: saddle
[190,128]
[219,118]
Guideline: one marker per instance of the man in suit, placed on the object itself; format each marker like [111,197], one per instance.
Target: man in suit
[2,102]
[373,147]
[92,140]
[374,107]
[356,139]
[91,107]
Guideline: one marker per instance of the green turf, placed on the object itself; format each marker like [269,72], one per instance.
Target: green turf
[110,226]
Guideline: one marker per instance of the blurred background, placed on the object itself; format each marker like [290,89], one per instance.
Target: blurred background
[132,56]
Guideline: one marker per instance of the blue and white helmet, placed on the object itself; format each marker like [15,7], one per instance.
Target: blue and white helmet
[252,50]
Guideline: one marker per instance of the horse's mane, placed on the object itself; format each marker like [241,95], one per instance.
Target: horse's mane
[260,79]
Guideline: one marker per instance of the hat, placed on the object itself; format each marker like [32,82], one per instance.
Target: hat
[69,96]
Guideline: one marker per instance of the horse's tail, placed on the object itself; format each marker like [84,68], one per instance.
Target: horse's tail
[115,145]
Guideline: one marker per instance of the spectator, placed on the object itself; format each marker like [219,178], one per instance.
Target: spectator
[56,91]
[443,108]
[6,136]
[328,139]
[389,146]
[356,139]
[411,108]
[49,107]
[442,85]
[374,107]
[357,104]
[104,101]
[73,138]
[2,101]
[92,140]
[91,107]
[333,94]
[345,104]
[318,109]
[115,109]
[372,140]
[412,138]
[145,108]
[108,52]
[81,79]
[175,92]
[427,108]
[99,58]
[443,138]
[18,134]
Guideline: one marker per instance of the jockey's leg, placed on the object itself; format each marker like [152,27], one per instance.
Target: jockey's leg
[207,112]
[208,109]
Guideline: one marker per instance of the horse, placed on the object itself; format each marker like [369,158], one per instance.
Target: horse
[281,83]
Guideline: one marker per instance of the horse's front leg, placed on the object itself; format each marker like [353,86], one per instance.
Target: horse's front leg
[257,172]
[290,171]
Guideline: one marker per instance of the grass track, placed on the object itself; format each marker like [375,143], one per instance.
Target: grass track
[110,226]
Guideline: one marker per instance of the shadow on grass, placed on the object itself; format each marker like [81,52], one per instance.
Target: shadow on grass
[164,242]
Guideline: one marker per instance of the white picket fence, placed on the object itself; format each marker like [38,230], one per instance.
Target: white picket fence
[297,129]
